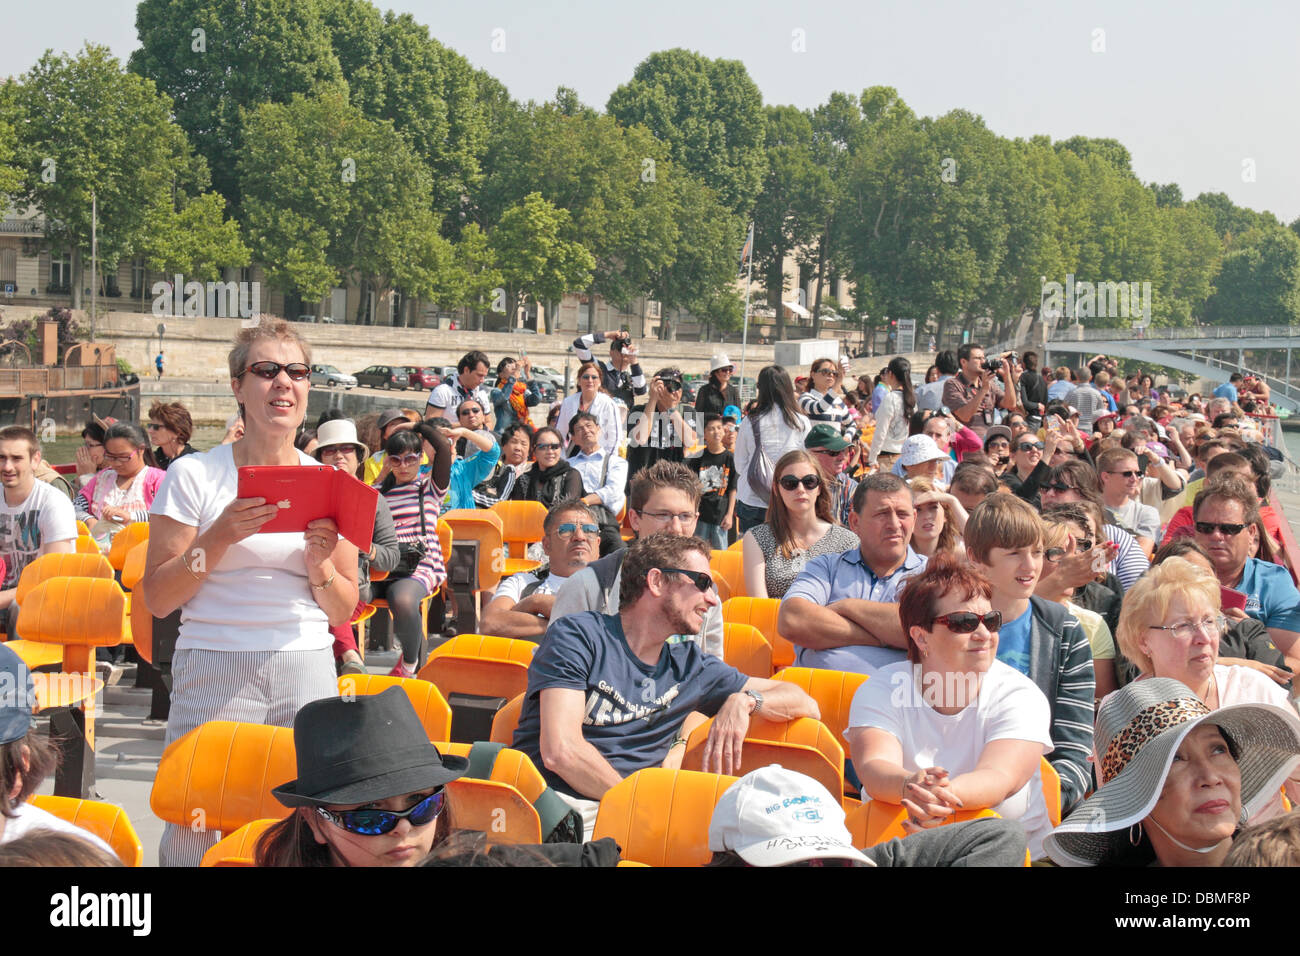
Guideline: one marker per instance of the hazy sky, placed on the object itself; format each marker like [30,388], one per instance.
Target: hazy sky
[1200,92]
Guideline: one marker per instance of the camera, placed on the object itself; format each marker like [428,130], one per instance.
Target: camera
[995,365]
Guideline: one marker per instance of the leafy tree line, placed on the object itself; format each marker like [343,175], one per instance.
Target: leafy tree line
[333,143]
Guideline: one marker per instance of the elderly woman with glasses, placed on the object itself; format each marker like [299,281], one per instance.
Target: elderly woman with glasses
[124,490]
[952,727]
[254,641]
[591,397]
[1170,626]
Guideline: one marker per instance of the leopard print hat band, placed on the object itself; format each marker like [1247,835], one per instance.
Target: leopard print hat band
[1148,723]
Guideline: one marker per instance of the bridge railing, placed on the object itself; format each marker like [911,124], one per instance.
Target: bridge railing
[1077,333]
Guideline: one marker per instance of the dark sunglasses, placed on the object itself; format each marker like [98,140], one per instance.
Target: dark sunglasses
[672,384]
[1030,446]
[966,622]
[1059,487]
[412,459]
[379,822]
[699,578]
[1082,545]
[1127,474]
[1204,527]
[790,482]
[472,410]
[271,370]
[568,529]
[1054,554]
[154,426]
[547,446]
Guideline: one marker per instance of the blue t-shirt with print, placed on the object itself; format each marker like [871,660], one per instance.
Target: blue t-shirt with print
[632,709]
[1013,641]
[1271,595]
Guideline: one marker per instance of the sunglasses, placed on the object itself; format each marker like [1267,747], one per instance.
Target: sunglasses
[1059,487]
[154,426]
[472,410]
[790,482]
[672,384]
[569,529]
[966,622]
[379,822]
[1127,474]
[547,446]
[1054,554]
[271,370]
[1030,446]
[412,459]
[1082,545]
[1202,527]
[699,578]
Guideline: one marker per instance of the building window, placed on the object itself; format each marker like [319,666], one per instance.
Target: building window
[60,274]
[137,278]
[8,271]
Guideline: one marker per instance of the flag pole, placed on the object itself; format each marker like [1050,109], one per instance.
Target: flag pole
[744,335]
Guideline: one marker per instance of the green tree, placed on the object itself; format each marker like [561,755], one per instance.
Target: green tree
[708,112]
[535,259]
[472,276]
[11,173]
[245,54]
[195,240]
[91,129]
[1228,218]
[1259,282]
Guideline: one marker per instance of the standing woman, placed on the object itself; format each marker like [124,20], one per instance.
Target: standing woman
[592,398]
[122,492]
[822,402]
[256,608]
[773,428]
[799,527]
[893,415]
[514,394]
[170,427]
[718,392]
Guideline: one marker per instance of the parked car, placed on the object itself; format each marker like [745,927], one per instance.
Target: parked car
[547,389]
[329,376]
[382,376]
[549,375]
[421,376]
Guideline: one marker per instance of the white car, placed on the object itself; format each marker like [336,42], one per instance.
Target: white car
[330,377]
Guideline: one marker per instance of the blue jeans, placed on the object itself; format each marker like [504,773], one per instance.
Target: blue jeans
[713,534]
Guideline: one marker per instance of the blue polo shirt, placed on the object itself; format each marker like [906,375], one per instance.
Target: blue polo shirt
[833,577]
[1226,390]
[1271,595]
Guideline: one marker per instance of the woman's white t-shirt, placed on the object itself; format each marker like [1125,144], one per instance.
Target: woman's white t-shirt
[1009,707]
[258,596]
[777,437]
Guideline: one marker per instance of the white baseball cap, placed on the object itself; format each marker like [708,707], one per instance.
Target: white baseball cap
[775,817]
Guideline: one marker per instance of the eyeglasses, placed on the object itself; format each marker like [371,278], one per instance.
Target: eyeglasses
[271,370]
[154,426]
[589,378]
[1059,487]
[569,529]
[685,517]
[330,451]
[120,458]
[966,622]
[825,370]
[791,482]
[1082,545]
[1186,630]
[1030,446]
[379,822]
[547,446]
[412,459]
[1202,527]
[1127,474]
[699,578]
[1054,554]
[472,410]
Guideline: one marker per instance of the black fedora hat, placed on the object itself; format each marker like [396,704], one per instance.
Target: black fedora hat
[363,749]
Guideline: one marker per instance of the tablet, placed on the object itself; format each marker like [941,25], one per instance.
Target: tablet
[304,493]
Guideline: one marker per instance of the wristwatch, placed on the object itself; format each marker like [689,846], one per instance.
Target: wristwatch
[758,700]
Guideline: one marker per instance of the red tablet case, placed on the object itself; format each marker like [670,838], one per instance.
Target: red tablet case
[1230,597]
[307,492]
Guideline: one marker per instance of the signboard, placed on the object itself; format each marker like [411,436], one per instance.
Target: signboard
[906,336]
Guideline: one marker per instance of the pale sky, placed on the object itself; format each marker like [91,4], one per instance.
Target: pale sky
[1201,93]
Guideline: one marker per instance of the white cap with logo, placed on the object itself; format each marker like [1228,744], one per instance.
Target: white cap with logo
[775,817]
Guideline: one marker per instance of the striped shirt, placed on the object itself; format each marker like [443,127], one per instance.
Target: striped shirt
[825,407]
[403,501]
[1061,665]
[1130,561]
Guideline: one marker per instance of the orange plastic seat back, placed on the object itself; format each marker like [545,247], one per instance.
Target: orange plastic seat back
[485,527]
[729,565]
[445,539]
[1051,791]
[124,541]
[480,664]
[82,528]
[141,623]
[661,817]
[506,721]
[501,806]
[238,848]
[88,545]
[745,649]
[761,613]
[833,691]
[804,745]
[521,523]
[876,822]
[736,545]
[133,567]
[430,706]
[61,565]
[79,613]
[513,767]
[109,823]
[220,775]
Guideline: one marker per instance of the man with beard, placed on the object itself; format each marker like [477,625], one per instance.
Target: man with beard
[610,694]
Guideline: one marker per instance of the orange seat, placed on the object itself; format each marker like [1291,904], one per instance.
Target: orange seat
[481,665]
[761,613]
[876,822]
[521,525]
[219,776]
[661,817]
[124,541]
[109,823]
[483,526]
[88,545]
[36,655]
[728,565]
[1051,791]
[506,721]
[833,691]
[238,848]
[133,566]
[745,649]
[804,745]
[62,565]
[502,805]
[82,528]
[736,545]
[430,706]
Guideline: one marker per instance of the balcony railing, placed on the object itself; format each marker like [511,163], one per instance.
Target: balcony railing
[41,381]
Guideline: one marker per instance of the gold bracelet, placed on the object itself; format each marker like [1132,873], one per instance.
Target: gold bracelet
[328,582]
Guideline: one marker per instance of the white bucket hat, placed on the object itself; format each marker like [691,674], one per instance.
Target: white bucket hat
[1139,729]
[339,431]
[720,361]
[774,817]
[918,449]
